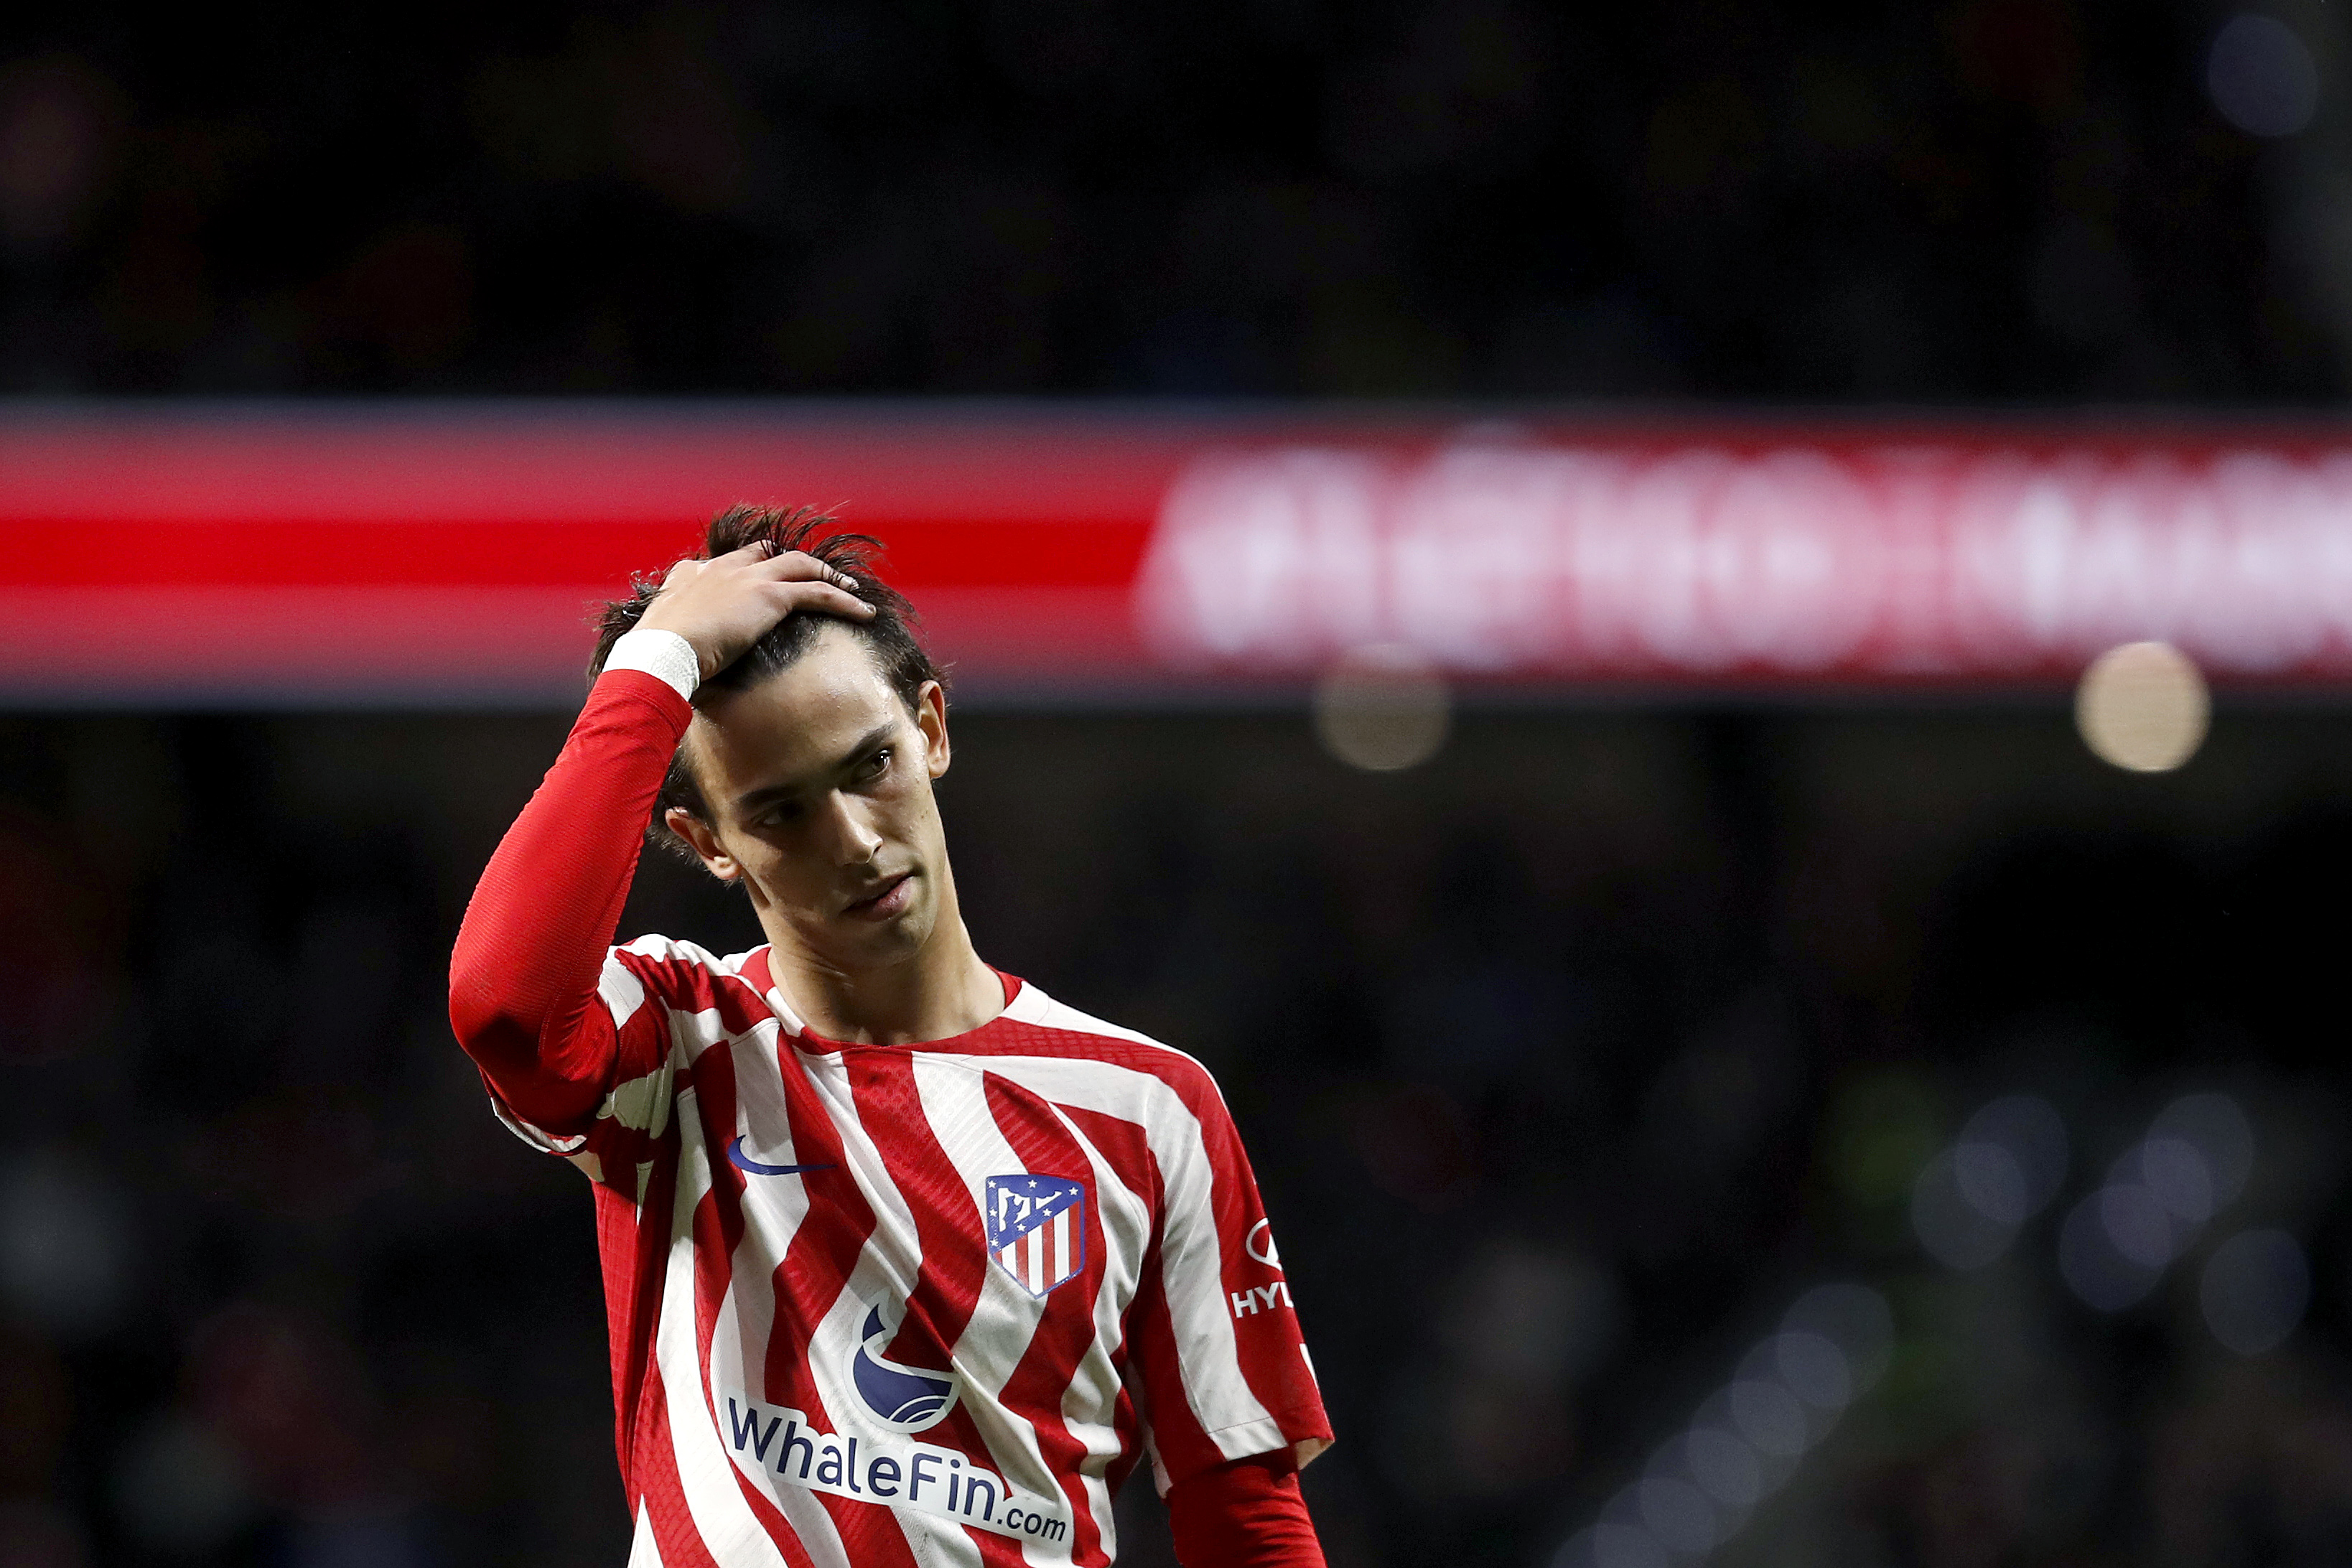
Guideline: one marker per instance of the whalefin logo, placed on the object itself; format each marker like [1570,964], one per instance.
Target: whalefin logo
[903,1398]
[742,1162]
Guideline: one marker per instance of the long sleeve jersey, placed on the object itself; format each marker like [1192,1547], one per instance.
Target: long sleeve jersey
[870,1305]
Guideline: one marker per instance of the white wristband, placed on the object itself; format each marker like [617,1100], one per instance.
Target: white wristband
[665,656]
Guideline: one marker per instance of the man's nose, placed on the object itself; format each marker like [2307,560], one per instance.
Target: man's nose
[853,841]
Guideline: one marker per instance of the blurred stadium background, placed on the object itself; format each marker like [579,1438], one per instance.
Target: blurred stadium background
[1517,577]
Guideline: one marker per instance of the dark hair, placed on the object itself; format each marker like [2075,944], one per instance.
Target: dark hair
[889,635]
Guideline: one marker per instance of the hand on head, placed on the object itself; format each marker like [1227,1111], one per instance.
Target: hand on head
[721,607]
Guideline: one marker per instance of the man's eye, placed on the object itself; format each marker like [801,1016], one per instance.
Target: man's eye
[877,764]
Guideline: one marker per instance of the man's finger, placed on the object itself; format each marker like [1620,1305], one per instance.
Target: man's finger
[825,598]
[689,566]
[797,566]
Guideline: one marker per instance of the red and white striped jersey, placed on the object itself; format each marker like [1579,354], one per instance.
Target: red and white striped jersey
[917,1304]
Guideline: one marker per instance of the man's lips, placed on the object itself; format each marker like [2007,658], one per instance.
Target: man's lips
[893,900]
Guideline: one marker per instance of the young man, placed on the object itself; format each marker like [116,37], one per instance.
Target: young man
[905,1262]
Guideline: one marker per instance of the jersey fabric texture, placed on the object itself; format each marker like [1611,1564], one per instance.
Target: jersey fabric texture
[869,1304]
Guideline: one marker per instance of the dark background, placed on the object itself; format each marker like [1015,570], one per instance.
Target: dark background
[1995,199]
[1567,1059]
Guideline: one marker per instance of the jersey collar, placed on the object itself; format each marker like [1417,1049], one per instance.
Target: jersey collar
[761,976]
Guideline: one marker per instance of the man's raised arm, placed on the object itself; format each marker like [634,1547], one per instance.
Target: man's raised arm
[523,978]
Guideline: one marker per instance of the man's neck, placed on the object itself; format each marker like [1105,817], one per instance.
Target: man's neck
[939,990]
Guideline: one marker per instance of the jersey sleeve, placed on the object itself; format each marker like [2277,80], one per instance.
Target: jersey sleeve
[567,1031]
[1246,1514]
[1218,1361]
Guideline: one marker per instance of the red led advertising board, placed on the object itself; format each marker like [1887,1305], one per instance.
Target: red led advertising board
[451,553]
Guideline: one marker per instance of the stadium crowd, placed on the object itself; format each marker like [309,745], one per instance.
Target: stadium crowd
[1986,199]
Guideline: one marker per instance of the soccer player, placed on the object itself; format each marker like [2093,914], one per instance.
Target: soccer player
[905,1262]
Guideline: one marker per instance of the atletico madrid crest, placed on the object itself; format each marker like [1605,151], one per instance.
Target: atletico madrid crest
[1038,1229]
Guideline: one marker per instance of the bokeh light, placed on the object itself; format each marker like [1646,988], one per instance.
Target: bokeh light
[2011,1157]
[1854,1321]
[1701,1485]
[1614,1545]
[2256,1287]
[1956,1232]
[1969,1200]
[1769,1417]
[2177,1173]
[2098,1271]
[2217,1128]
[65,1252]
[2118,1242]
[1679,1515]
[2142,707]
[2136,1221]
[1383,708]
[2262,76]
[1726,1469]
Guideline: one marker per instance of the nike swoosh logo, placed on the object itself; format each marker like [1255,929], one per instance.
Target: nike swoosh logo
[742,1162]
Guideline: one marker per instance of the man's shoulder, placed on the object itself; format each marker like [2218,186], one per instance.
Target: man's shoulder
[1033,1022]
[653,949]
[685,974]
[1033,1006]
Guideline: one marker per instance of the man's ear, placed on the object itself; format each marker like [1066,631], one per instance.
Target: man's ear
[698,833]
[931,718]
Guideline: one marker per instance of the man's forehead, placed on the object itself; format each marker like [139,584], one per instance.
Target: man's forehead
[804,717]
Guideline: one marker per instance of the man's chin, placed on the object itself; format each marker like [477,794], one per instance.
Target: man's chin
[863,942]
